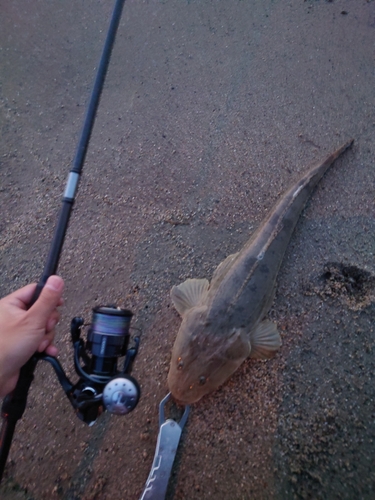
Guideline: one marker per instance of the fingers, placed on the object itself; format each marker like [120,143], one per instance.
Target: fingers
[52,350]
[46,313]
[48,346]
[22,297]
[48,300]
[47,341]
[52,321]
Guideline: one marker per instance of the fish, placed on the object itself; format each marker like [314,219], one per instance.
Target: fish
[224,322]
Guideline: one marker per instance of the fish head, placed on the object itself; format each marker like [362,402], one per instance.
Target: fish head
[203,356]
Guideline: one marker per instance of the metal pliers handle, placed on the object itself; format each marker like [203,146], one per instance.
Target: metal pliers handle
[166,448]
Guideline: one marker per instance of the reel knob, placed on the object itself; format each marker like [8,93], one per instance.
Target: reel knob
[121,395]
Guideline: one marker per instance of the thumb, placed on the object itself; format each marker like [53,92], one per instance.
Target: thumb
[48,300]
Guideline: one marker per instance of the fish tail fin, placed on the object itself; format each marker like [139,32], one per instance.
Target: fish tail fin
[321,169]
[265,340]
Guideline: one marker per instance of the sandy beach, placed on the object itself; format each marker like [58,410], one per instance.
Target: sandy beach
[210,111]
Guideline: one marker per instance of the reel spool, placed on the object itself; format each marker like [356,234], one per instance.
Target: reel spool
[108,338]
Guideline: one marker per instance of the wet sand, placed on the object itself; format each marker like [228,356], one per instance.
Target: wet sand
[210,111]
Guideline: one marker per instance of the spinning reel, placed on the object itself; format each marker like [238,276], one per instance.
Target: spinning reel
[102,386]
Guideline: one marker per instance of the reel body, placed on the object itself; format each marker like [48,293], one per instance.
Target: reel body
[101,386]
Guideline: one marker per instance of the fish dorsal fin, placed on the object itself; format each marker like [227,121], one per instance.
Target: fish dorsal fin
[223,267]
[265,340]
[188,294]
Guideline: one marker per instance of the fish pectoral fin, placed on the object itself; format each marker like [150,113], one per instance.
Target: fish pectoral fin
[188,294]
[265,340]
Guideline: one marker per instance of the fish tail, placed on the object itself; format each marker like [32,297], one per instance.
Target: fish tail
[333,157]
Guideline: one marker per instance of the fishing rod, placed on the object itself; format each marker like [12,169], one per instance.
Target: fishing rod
[101,385]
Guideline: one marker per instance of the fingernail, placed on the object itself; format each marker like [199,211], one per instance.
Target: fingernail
[55,283]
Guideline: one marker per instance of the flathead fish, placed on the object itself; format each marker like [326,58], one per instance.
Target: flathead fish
[223,322]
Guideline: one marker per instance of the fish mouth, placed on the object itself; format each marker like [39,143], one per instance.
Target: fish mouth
[187,392]
[186,401]
[184,397]
[195,392]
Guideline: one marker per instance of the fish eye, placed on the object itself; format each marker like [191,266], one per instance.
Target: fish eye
[202,380]
[180,363]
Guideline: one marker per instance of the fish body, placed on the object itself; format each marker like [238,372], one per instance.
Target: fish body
[223,321]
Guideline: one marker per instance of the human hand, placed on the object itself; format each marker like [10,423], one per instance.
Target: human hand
[24,331]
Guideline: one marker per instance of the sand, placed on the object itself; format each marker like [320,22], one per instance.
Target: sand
[210,111]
